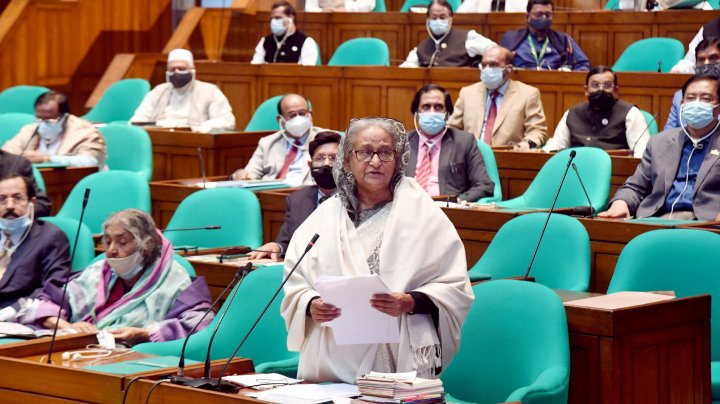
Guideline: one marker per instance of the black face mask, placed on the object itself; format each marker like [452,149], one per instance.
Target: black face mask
[601,100]
[712,69]
[179,80]
[323,177]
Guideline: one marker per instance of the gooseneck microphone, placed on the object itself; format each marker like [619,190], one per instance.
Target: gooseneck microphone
[214,227]
[582,185]
[67,275]
[573,153]
[201,160]
[24,149]
[180,377]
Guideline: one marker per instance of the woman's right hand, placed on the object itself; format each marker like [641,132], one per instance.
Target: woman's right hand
[82,326]
[322,312]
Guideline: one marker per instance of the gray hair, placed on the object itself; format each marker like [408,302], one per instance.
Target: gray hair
[142,227]
[346,183]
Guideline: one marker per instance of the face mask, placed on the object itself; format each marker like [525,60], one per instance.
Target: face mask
[277,26]
[431,123]
[323,177]
[438,27]
[298,126]
[711,69]
[180,79]
[49,131]
[698,114]
[18,225]
[601,100]
[541,24]
[492,77]
[128,267]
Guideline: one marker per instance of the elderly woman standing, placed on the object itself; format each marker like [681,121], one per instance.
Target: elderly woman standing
[381,223]
[138,293]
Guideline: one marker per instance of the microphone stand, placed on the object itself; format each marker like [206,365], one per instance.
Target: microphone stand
[587,196]
[216,227]
[24,149]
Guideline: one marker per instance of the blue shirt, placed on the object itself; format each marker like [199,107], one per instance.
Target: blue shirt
[551,60]
[673,120]
[685,198]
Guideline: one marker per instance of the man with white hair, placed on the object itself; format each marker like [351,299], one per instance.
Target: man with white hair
[184,101]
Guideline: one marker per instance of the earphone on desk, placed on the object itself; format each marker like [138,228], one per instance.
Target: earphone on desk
[86,354]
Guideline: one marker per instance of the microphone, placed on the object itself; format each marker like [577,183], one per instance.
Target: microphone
[573,153]
[224,387]
[67,276]
[180,377]
[659,66]
[24,149]
[214,227]
[587,196]
[201,161]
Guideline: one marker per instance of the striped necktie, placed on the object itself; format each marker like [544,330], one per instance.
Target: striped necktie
[422,176]
[490,122]
[289,159]
[5,254]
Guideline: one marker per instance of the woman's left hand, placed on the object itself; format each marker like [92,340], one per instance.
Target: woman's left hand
[132,335]
[394,304]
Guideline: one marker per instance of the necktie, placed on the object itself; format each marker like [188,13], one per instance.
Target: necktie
[323,199]
[5,254]
[422,176]
[490,122]
[497,5]
[289,158]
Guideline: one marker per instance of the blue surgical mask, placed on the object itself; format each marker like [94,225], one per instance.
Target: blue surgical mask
[18,225]
[277,26]
[439,27]
[541,24]
[698,114]
[431,123]
[492,77]
[49,131]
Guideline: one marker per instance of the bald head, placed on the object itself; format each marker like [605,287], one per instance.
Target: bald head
[497,56]
[292,102]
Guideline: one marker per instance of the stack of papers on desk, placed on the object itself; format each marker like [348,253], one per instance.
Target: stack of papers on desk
[236,261]
[249,184]
[307,393]
[262,381]
[400,388]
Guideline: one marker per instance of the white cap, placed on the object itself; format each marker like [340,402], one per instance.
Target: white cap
[181,54]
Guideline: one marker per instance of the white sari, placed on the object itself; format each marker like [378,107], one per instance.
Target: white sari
[420,251]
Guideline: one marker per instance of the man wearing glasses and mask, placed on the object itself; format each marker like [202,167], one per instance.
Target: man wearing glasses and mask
[284,154]
[184,101]
[301,203]
[58,136]
[604,121]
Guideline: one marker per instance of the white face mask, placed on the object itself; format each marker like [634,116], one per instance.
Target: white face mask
[19,224]
[298,126]
[49,131]
[128,267]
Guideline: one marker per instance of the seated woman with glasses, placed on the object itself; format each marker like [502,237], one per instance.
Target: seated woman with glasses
[138,292]
[379,223]
[605,121]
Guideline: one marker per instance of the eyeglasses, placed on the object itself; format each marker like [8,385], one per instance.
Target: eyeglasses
[53,120]
[293,114]
[17,199]
[385,155]
[320,158]
[608,85]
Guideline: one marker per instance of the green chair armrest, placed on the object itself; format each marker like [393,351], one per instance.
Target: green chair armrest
[547,387]
[478,277]
[287,367]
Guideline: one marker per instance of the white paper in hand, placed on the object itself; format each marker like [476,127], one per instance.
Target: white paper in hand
[359,322]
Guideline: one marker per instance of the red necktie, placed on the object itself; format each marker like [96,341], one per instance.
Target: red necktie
[422,176]
[490,122]
[289,158]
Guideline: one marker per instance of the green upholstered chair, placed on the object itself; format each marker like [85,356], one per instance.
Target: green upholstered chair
[562,261]
[110,192]
[85,250]
[492,170]
[361,52]
[513,347]
[651,122]
[236,210]
[594,167]
[424,3]
[178,258]
[119,101]
[265,116]
[681,260]
[128,148]
[38,178]
[266,346]
[20,99]
[11,123]
[379,6]
[646,54]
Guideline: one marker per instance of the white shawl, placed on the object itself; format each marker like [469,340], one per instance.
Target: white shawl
[421,251]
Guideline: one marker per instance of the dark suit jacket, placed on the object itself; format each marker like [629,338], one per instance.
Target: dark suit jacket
[42,258]
[645,192]
[300,204]
[23,167]
[461,169]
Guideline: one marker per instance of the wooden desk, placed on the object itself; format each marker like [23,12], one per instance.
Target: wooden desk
[60,181]
[175,153]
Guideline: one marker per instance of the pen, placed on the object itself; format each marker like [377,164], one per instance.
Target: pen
[154,365]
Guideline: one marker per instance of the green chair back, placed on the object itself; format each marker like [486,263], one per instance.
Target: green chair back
[562,261]
[646,54]
[268,341]
[119,101]
[236,210]
[513,347]
[85,250]
[178,258]
[361,52]
[11,123]
[492,170]
[38,178]
[20,99]
[651,122]
[425,3]
[594,167]
[128,148]
[379,6]
[110,192]
[612,5]
[265,116]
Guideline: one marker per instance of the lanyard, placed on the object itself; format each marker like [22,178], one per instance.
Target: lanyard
[542,50]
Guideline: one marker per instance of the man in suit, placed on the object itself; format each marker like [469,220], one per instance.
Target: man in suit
[283,154]
[679,175]
[33,253]
[449,162]
[498,110]
[301,203]
[14,164]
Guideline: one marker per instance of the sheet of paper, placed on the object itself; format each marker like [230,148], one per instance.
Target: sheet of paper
[359,322]
[307,393]
[619,300]
[262,381]
[237,261]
